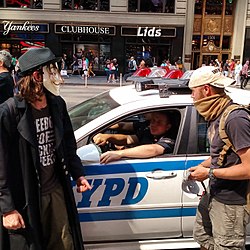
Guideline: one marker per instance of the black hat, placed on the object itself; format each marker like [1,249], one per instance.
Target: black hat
[34,58]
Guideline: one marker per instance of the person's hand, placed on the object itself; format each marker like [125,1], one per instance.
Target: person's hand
[199,173]
[110,156]
[82,185]
[13,220]
[100,139]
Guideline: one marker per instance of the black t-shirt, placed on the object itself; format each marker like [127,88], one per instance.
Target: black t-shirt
[237,127]
[145,137]
[46,147]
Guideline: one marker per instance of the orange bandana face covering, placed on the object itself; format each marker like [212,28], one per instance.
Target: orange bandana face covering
[211,107]
[52,78]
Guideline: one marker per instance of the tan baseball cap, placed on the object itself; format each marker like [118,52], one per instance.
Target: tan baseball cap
[209,75]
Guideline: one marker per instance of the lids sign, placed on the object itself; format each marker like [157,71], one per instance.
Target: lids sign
[151,32]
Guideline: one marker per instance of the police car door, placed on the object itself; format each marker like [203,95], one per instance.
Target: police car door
[135,199]
[197,151]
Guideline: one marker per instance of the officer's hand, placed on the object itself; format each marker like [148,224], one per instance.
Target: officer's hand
[100,139]
[13,220]
[110,156]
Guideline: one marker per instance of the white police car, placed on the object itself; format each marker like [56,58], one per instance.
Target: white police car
[140,203]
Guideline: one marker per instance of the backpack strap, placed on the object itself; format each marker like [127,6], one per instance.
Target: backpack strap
[228,145]
[222,133]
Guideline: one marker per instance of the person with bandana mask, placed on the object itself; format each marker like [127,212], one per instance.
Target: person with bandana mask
[37,160]
[222,214]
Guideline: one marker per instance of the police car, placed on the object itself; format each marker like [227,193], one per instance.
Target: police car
[141,203]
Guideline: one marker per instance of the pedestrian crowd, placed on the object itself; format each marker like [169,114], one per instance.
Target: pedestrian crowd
[234,69]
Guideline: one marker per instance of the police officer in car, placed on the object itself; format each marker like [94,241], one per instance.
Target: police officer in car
[152,141]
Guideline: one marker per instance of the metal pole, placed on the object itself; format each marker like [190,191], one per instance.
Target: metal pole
[120,79]
[86,80]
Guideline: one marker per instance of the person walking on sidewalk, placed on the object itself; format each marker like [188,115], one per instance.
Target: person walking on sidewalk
[91,72]
[6,80]
[238,70]
[223,212]
[74,65]
[244,75]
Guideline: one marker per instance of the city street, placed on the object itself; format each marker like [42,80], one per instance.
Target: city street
[75,91]
[74,94]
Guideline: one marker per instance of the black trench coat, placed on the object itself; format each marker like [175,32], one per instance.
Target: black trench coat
[19,171]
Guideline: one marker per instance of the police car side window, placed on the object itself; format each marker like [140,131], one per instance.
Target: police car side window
[139,126]
[203,144]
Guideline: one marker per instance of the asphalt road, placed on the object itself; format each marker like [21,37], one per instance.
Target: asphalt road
[74,94]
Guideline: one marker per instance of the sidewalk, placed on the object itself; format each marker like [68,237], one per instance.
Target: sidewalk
[102,81]
[97,80]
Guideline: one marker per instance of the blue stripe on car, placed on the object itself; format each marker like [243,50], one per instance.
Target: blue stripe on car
[138,214]
[144,166]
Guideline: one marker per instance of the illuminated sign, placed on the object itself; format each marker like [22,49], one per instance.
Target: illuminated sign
[87,30]
[10,27]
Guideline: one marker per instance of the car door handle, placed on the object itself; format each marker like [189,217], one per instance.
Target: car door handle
[159,174]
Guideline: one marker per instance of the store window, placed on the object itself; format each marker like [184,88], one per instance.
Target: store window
[151,48]
[214,39]
[214,7]
[229,7]
[196,42]
[96,48]
[97,54]
[32,4]
[226,42]
[160,6]
[17,48]
[198,7]
[97,5]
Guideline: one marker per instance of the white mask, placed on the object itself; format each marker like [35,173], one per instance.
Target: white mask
[52,78]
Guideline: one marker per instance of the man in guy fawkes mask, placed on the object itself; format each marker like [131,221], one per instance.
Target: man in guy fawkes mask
[37,158]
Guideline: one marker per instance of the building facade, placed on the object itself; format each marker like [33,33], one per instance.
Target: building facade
[155,29]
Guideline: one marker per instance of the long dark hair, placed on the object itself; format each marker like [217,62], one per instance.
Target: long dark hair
[30,89]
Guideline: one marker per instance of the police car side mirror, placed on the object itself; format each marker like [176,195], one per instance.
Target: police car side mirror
[89,153]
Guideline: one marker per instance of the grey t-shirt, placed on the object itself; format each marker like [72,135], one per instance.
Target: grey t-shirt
[46,147]
[237,127]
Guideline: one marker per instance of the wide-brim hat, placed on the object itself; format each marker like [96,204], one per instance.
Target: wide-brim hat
[34,58]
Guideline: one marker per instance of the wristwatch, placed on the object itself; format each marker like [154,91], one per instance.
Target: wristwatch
[211,175]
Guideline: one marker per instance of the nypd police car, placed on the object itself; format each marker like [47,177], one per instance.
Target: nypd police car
[141,203]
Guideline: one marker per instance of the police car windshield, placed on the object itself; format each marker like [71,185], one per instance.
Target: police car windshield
[88,110]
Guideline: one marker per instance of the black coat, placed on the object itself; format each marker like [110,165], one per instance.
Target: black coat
[19,169]
[6,86]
